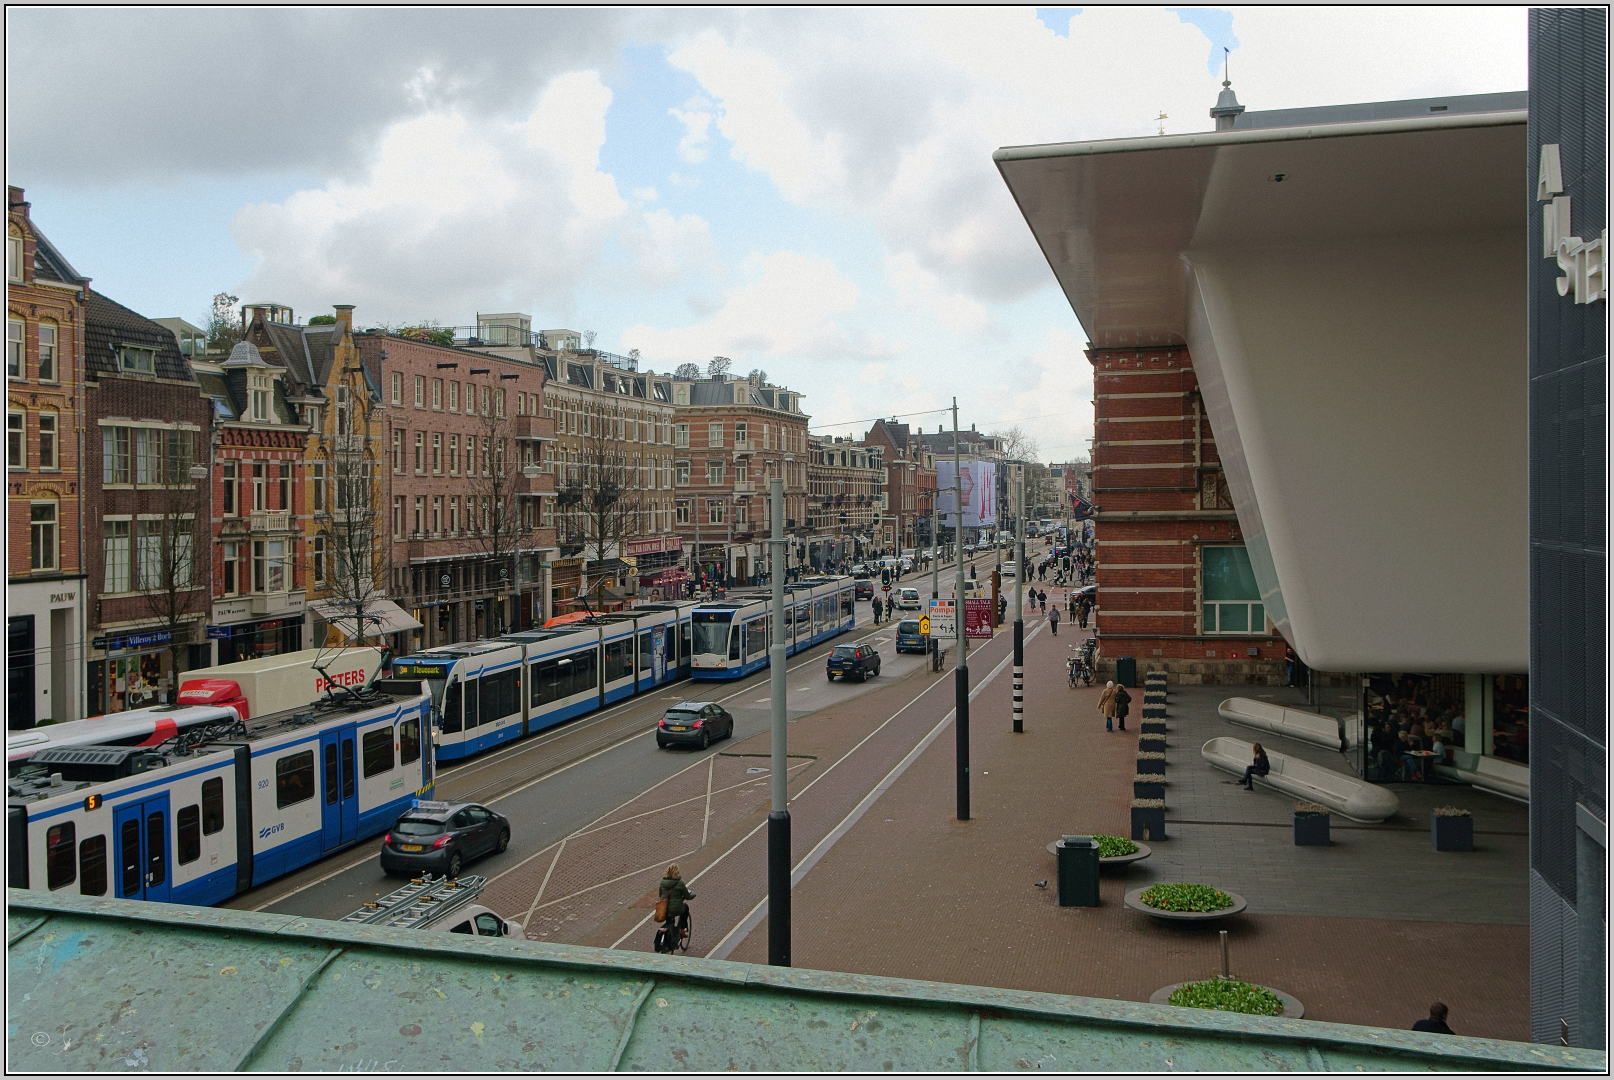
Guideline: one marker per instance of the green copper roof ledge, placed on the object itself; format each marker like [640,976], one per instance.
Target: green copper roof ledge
[127,985]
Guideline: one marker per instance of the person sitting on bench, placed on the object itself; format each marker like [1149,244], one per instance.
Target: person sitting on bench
[1260,767]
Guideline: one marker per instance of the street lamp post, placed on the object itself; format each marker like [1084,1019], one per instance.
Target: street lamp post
[1019,604]
[961,676]
[779,812]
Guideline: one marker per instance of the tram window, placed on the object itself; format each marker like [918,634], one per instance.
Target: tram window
[129,851]
[451,709]
[294,779]
[619,660]
[585,670]
[347,769]
[542,678]
[470,702]
[647,649]
[501,695]
[756,637]
[683,636]
[157,841]
[408,742]
[333,781]
[377,751]
[188,826]
[734,643]
[212,806]
[846,605]
[92,866]
[60,870]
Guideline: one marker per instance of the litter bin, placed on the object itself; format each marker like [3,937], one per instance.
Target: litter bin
[1078,871]
[1126,671]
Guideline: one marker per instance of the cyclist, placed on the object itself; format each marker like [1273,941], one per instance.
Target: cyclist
[675,930]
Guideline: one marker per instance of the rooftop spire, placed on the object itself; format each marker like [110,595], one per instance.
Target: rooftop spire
[1227,103]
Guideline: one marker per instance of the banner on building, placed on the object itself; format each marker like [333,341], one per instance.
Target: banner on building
[980,483]
[1080,507]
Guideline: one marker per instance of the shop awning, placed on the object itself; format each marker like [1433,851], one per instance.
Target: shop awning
[380,617]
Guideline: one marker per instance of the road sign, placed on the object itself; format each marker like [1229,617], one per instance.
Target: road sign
[977,617]
[924,625]
[942,618]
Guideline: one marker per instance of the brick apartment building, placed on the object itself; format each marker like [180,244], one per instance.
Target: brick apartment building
[845,495]
[147,512]
[1175,588]
[910,486]
[730,438]
[45,602]
[460,426]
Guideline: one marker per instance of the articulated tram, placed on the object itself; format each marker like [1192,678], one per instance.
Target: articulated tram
[220,805]
[732,636]
[493,692]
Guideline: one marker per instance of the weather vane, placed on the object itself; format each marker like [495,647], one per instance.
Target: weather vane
[1161,121]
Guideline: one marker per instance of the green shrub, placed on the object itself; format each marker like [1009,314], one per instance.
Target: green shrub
[1185,897]
[1227,995]
[1111,846]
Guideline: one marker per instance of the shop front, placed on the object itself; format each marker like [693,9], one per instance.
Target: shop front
[136,670]
[1468,716]
[241,633]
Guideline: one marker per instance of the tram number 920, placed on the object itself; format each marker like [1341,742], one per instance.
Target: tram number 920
[270,830]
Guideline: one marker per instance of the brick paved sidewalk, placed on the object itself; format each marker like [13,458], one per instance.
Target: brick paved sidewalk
[911,892]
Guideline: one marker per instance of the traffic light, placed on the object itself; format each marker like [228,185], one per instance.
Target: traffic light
[885,575]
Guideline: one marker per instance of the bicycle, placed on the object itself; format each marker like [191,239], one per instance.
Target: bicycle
[674,925]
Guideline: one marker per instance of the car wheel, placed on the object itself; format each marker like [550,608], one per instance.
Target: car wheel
[660,743]
[830,677]
[706,739]
[454,865]
[504,841]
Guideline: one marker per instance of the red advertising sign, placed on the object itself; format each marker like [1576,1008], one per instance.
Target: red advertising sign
[977,616]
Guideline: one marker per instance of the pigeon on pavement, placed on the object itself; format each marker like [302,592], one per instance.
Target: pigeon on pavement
[1040,884]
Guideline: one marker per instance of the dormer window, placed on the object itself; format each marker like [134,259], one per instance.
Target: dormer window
[141,361]
[259,388]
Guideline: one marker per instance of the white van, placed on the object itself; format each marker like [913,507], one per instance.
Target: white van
[1010,569]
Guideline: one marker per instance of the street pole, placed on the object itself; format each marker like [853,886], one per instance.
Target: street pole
[1019,604]
[779,814]
[961,675]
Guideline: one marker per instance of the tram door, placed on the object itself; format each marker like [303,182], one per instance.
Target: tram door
[143,850]
[341,785]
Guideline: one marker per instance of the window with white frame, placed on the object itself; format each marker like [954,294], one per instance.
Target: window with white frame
[260,488]
[115,546]
[230,550]
[42,536]
[420,514]
[397,450]
[230,476]
[14,332]
[437,395]
[714,511]
[453,397]
[317,548]
[269,569]
[259,389]
[420,391]
[318,478]
[453,455]
[682,470]
[1232,599]
[344,408]
[47,352]
[137,359]
[14,250]
[397,515]
[714,472]
[681,435]
[397,388]
[16,440]
[714,434]
[47,440]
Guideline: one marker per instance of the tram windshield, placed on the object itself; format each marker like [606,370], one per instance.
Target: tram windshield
[711,631]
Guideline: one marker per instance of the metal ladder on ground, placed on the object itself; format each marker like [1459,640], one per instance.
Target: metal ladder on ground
[422,901]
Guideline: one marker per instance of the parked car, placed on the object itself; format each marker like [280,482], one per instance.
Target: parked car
[694,723]
[853,661]
[442,837]
[969,549]
[1010,568]
[908,599]
[909,639]
[863,588]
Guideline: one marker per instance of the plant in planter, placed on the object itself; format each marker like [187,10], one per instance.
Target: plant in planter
[1112,847]
[1185,896]
[1149,786]
[1227,995]
[1452,829]
[1152,761]
[1311,824]
[1152,740]
[1148,819]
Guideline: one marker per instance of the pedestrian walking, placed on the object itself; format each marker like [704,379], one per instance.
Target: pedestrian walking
[1053,621]
[1106,706]
[874,605]
[1042,599]
[1083,609]
[1123,701]
[1436,1021]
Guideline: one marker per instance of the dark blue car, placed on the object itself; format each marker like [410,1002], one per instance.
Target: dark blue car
[909,639]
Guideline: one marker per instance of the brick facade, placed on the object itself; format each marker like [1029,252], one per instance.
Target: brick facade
[1162,500]
[910,486]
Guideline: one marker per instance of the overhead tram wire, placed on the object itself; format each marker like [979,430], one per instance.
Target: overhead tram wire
[926,412]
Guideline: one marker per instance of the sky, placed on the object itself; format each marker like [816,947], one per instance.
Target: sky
[809,192]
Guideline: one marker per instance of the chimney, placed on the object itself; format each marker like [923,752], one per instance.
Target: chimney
[344,319]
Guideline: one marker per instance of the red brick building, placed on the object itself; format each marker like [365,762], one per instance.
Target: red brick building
[910,487]
[45,606]
[147,426]
[1175,590]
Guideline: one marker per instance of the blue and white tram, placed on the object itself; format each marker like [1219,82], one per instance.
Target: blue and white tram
[220,808]
[731,637]
[477,687]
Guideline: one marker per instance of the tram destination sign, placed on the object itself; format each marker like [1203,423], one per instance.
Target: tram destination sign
[420,669]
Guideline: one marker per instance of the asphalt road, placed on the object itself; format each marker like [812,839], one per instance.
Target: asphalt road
[556,783]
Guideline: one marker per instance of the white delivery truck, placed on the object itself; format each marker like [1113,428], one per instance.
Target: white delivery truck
[434,903]
[274,683]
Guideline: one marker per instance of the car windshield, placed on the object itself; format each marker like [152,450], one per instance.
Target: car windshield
[845,651]
[417,827]
[682,714]
[911,626]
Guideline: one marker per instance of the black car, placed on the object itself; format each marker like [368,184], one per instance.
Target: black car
[443,837]
[849,661]
[694,723]
[863,589]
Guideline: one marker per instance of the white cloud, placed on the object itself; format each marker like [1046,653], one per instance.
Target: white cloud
[668,249]
[920,290]
[788,308]
[697,123]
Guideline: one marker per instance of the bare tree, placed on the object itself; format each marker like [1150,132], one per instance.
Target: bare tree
[758,376]
[499,521]
[166,571]
[588,339]
[350,511]
[600,500]
[719,367]
[687,372]
[1017,445]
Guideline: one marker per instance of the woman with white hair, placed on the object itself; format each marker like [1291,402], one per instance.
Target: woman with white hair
[1106,705]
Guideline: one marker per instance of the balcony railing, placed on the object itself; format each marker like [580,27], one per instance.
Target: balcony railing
[540,484]
[268,521]
[281,603]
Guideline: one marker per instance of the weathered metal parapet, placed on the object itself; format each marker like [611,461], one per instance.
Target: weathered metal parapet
[115,984]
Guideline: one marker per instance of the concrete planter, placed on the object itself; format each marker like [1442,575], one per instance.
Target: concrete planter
[1154,727]
[1152,762]
[1311,829]
[1153,742]
[1148,819]
[1154,787]
[1452,833]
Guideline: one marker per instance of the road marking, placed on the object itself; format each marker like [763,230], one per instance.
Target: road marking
[552,864]
[706,818]
[760,911]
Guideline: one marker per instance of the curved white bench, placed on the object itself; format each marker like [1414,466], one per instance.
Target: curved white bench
[1499,776]
[1346,795]
[1308,727]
